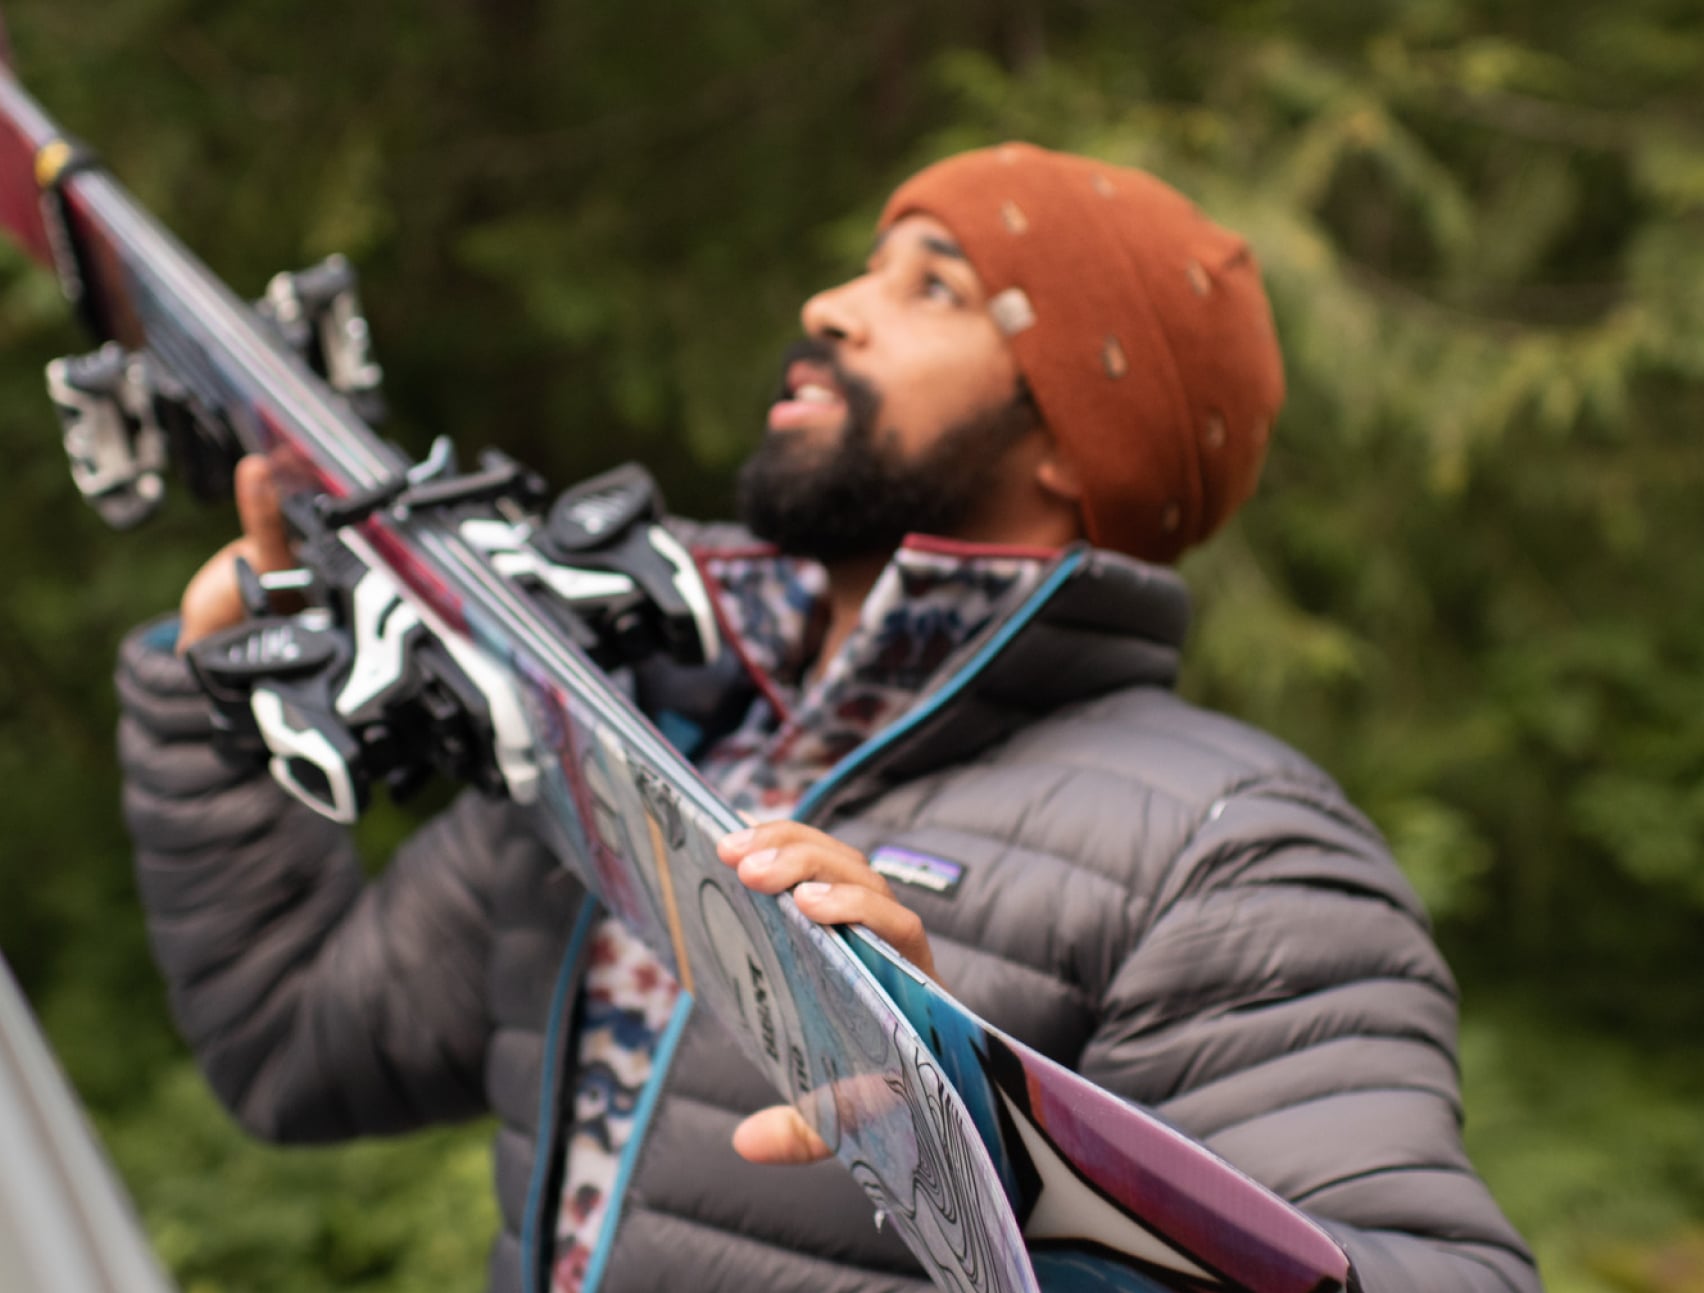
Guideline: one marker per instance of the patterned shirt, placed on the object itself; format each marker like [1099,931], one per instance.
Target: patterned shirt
[932,598]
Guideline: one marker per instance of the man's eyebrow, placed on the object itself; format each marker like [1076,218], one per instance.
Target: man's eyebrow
[944,247]
[932,242]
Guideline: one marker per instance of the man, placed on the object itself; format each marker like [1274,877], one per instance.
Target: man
[1042,351]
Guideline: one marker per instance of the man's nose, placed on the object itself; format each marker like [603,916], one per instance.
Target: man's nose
[834,314]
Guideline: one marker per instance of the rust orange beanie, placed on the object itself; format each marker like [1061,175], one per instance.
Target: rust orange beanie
[1140,326]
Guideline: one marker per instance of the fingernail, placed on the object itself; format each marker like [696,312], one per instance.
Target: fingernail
[739,839]
[811,890]
[759,861]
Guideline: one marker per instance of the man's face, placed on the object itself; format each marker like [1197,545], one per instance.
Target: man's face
[895,412]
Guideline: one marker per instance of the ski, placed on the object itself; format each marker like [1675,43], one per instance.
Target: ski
[458,620]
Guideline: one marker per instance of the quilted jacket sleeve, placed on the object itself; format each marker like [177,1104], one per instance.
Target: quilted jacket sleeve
[1288,1006]
[320,1006]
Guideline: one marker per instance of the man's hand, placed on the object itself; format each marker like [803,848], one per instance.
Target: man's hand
[833,884]
[212,601]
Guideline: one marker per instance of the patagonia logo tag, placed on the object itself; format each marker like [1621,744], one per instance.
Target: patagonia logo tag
[918,870]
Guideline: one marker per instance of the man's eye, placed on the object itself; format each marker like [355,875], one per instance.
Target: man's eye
[938,289]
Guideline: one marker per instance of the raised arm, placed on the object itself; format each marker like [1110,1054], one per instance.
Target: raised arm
[320,1005]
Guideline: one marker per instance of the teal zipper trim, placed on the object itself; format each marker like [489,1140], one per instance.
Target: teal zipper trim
[549,1108]
[647,1106]
[883,740]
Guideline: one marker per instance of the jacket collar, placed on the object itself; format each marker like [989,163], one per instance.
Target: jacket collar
[1098,623]
[1089,622]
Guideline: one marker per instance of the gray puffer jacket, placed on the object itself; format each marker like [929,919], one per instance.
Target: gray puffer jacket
[1177,906]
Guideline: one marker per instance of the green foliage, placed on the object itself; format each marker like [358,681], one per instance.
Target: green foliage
[1471,584]
[227,1213]
[1591,1144]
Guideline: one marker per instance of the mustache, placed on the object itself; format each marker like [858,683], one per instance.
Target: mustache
[861,397]
[815,350]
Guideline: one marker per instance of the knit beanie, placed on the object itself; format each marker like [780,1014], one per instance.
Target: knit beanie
[1139,325]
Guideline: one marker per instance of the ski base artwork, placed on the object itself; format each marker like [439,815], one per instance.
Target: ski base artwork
[457,623]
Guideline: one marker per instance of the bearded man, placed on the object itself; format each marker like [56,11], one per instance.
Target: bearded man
[953,659]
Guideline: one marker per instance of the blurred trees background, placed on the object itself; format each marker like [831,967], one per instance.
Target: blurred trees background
[1472,584]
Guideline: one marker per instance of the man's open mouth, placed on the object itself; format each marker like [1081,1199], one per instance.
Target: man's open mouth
[810,394]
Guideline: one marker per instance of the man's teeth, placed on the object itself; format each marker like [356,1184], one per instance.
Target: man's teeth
[812,393]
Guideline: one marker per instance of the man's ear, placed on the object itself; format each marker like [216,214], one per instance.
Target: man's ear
[1058,473]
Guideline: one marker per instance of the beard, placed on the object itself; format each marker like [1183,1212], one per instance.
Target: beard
[860,496]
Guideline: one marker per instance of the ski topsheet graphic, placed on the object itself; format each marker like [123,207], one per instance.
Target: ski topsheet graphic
[456,621]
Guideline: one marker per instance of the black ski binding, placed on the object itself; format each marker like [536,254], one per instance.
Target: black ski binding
[317,311]
[610,559]
[113,432]
[359,689]
[436,484]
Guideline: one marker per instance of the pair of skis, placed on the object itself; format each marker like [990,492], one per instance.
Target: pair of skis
[455,621]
